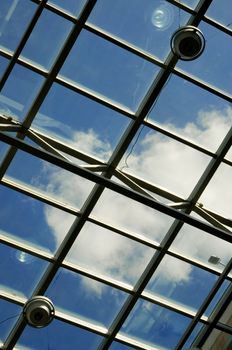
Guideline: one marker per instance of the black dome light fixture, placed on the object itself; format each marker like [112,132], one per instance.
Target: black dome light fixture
[187,43]
[39,311]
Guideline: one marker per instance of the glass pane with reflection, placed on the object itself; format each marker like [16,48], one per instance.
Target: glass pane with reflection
[23,271]
[155,325]
[108,70]
[147,24]
[87,299]
[35,223]
[218,340]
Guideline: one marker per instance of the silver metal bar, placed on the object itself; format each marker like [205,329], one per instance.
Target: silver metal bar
[45,145]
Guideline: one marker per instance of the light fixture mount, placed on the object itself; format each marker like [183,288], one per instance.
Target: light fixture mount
[38,311]
[187,43]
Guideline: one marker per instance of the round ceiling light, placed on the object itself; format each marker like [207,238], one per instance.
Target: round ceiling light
[187,43]
[38,311]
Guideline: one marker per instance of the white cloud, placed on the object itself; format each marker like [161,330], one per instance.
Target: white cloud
[164,162]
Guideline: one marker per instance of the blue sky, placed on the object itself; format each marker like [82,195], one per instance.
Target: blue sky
[99,66]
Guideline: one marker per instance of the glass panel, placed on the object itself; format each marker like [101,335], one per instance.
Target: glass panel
[43,45]
[220,10]
[216,299]
[19,91]
[164,162]
[119,211]
[188,344]
[200,245]
[34,222]
[155,325]
[80,122]
[9,315]
[23,270]
[190,3]
[119,346]
[176,280]
[227,316]
[3,149]
[148,24]
[216,196]
[15,15]
[49,179]
[110,254]
[3,64]
[108,70]
[214,65]
[218,340]
[87,299]
[58,335]
[193,113]
[72,6]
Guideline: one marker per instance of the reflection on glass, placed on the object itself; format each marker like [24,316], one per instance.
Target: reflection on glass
[109,70]
[218,340]
[20,278]
[57,336]
[80,122]
[162,16]
[9,314]
[87,299]
[148,24]
[193,336]
[176,281]
[148,223]
[109,254]
[227,315]
[43,45]
[24,257]
[42,226]
[155,325]
[14,18]
[212,306]
[19,91]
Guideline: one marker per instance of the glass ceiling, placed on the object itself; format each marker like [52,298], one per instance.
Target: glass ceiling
[115,164]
